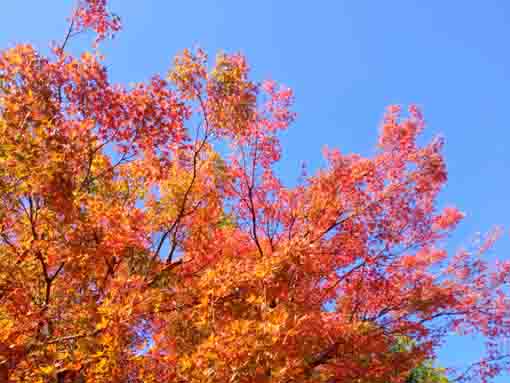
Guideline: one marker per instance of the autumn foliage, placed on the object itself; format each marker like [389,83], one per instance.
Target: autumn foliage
[144,236]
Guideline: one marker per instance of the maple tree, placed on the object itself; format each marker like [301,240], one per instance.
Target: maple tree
[145,237]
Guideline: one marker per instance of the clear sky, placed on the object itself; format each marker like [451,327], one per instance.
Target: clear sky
[346,61]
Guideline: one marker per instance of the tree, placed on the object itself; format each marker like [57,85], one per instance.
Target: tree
[144,235]
[427,374]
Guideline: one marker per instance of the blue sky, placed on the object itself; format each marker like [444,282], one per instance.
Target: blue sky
[346,61]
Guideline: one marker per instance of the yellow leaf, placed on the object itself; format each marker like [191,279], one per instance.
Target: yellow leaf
[211,355]
[102,366]
[48,370]
[185,363]
[52,347]
[101,325]
[62,355]
[260,272]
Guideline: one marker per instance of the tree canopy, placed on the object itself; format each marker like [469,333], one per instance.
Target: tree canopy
[146,237]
